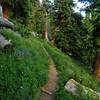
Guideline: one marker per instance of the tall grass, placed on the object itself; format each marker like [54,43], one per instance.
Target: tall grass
[69,68]
[23,69]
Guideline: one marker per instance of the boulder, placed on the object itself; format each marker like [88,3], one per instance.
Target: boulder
[79,90]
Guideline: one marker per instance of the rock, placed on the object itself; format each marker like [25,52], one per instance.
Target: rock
[4,43]
[71,86]
[79,90]
[34,34]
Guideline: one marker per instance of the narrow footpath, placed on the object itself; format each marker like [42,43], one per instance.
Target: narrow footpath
[48,90]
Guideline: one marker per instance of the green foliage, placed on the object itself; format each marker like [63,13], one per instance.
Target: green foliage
[66,27]
[36,22]
[75,37]
[71,36]
[7,2]
[23,9]
[69,68]
[24,69]
[29,12]
[89,46]
[21,29]
[92,23]
[64,23]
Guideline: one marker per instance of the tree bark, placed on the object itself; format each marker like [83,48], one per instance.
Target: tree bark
[97,67]
[46,27]
[6,11]
[1,14]
[5,22]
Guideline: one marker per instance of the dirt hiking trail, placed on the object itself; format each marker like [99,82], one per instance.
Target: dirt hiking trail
[48,90]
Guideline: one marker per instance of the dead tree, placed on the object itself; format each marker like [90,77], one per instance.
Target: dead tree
[4,23]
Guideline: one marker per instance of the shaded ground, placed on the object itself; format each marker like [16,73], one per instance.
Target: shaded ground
[48,90]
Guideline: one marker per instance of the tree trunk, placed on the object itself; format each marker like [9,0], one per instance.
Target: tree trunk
[46,27]
[97,67]
[6,11]
[3,21]
[46,34]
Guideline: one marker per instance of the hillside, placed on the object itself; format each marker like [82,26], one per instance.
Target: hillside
[24,69]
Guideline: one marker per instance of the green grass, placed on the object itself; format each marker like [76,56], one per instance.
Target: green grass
[69,68]
[23,69]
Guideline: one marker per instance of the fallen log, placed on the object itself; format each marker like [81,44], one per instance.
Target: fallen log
[82,91]
[1,14]
[5,22]
[4,43]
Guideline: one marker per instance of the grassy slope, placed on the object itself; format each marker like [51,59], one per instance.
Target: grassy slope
[69,68]
[25,69]
[22,70]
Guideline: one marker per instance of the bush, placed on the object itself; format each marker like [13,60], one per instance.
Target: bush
[21,29]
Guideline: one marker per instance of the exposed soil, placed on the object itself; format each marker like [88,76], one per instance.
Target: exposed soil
[48,90]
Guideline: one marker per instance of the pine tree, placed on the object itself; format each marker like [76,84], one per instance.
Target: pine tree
[92,22]
[64,22]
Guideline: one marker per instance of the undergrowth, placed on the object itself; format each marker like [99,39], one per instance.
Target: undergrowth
[23,68]
[71,69]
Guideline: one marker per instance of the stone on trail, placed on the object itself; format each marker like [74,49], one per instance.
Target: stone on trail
[79,90]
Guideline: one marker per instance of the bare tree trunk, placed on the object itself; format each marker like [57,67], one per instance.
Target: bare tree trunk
[97,67]
[3,21]
[46,27]
[6,11]
[1,14]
